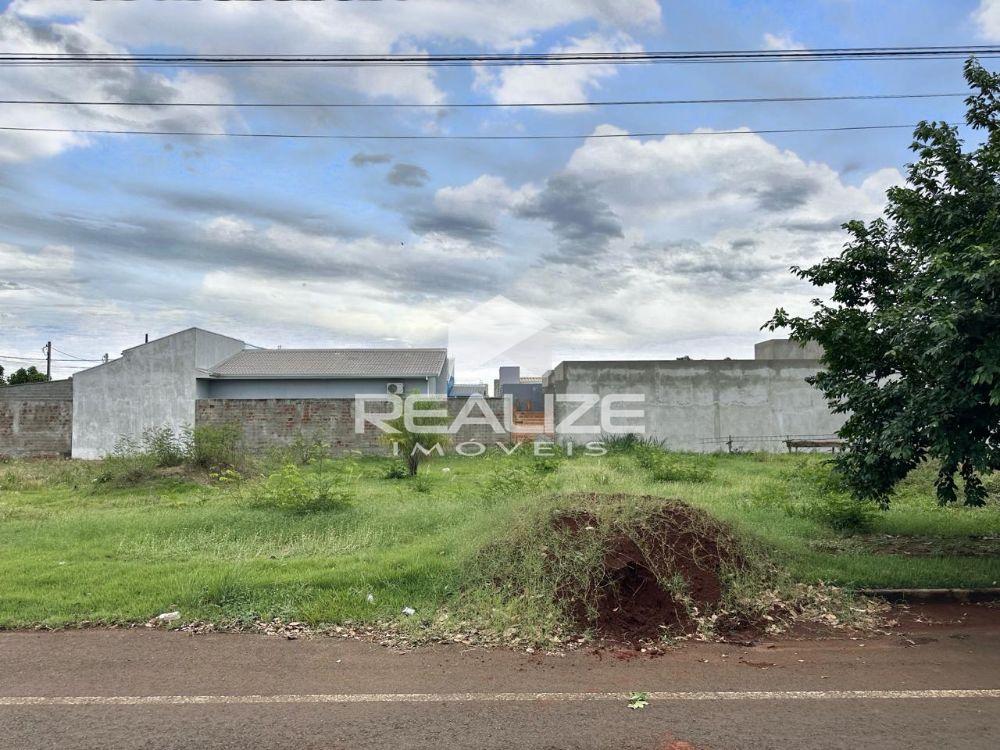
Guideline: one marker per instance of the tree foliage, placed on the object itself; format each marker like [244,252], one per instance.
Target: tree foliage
[912,330]
[26,375]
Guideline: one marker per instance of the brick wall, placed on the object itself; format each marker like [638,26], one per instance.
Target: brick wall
[36,419]
[268,423]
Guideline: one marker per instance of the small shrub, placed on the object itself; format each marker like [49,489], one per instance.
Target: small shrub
[305,450]
[396,470]
[545,464]
[630,442]
[227,476]
[294,490]
[816,490]
[843,513]
[507,481]
[163,445]
[214,446]
[422,483]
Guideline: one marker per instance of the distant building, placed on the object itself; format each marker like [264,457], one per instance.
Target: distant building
[464,390]
[157,384]
[527,391]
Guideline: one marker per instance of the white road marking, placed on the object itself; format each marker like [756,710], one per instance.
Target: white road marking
[713,695]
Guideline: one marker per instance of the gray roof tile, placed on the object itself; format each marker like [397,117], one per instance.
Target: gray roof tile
[332,363]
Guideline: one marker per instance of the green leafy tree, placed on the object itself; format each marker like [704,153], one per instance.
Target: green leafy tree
[2,381]
[911,333]
[416,446]
[29,375]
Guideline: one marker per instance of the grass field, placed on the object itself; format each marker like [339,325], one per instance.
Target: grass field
[73,549]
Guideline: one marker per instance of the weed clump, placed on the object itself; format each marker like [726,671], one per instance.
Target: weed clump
[667,467]
[396,470]
[296,491]
[214,446]
[507,480]
[629,442]
[815,490]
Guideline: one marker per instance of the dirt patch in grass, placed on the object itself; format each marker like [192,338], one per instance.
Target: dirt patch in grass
[655,574]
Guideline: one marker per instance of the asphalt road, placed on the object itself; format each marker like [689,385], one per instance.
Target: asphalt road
[932,687]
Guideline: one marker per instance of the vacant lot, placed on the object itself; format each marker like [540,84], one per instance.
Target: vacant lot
[73,548]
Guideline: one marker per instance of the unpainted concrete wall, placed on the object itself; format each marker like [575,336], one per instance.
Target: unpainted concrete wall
[786,349]
[271,423]
[36,419]
[152,385]
[696,405]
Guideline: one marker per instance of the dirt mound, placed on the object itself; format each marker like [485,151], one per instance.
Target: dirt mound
[657,569]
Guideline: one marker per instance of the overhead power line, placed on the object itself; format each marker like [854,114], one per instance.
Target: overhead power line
[42,359]
[483,105]
[476,58]
[73,357]
[358,137]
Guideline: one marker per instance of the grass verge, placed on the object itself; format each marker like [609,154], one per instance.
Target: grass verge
[73,549]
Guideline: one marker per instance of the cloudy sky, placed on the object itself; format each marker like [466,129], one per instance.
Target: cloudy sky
[628,247]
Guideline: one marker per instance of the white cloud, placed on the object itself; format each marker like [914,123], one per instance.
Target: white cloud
[373,27]
[118,83]
[695,185]
[345,27]
[18,265]
[781,42]
[347,310]
[558,83]
[711,224]
[987,18]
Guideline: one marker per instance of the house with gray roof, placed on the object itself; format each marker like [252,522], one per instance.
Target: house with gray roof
[158,383]
[326,373]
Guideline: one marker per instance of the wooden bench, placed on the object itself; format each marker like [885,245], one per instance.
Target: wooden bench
[834,444]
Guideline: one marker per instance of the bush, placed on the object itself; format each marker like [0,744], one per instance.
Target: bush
[548,461]
[396,470]
[843,513]
[304,450]
[630,442]
[816,490]
[507,481]
[545,464]
[163,446]
[214,446]
[294,490]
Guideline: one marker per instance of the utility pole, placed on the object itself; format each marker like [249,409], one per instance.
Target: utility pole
[48,360]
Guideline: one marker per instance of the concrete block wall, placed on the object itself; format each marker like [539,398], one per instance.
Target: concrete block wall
[270,423]
[696,405]
[36,419]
